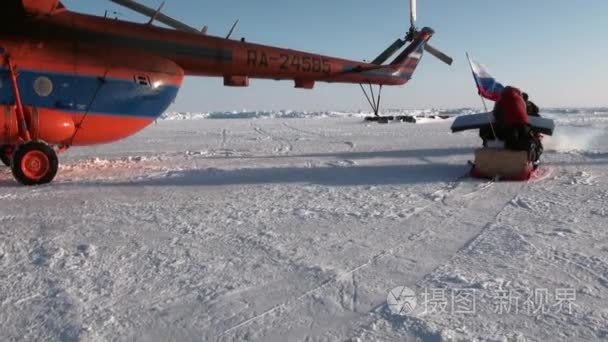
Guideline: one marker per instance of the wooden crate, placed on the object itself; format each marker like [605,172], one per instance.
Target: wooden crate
[502,163]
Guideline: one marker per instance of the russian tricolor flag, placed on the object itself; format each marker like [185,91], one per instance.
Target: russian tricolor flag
[487,85]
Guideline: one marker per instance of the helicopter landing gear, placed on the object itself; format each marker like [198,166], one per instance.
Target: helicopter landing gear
[34,163]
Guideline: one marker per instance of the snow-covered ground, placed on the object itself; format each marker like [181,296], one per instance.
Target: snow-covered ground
[298,229]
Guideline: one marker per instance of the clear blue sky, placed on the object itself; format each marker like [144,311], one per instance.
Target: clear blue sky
[557,50]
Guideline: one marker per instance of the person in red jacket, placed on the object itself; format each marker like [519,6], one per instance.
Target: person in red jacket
[511,116]
[510,109]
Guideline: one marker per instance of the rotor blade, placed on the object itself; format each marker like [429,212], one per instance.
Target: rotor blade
[413,13]
[440,55]
[150,12]
[386,54]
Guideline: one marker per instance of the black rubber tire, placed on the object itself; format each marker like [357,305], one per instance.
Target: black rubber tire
[6,154]
[24,150]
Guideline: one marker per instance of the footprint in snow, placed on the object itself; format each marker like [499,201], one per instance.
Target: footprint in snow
[47,255]
[563,232]
[341,163]
[582,178]
[600,213]
[303,213]
[350,144]
[86,251]
[521,203]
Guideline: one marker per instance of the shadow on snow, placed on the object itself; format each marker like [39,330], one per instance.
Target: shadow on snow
[330,176]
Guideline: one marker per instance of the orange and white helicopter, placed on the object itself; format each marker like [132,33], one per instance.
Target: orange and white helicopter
[70,79]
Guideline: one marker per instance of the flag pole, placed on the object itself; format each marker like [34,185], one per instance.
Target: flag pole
[485,106]
[483,101]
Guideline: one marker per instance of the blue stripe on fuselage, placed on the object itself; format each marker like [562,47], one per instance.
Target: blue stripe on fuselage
[78,94]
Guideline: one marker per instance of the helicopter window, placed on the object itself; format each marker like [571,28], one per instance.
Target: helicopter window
[143,80]
[43,86]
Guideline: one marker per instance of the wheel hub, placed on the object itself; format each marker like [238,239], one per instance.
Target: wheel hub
[35,164]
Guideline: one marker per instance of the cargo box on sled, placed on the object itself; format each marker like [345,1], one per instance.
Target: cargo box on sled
[498,162]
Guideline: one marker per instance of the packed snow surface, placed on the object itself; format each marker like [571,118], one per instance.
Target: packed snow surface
[298,228]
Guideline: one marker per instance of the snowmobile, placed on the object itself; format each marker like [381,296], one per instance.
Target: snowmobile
[493,160]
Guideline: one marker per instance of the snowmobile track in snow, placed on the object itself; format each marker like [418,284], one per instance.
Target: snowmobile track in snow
[451,192]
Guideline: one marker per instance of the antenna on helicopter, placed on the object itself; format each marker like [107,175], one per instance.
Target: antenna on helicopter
[232,29]
[152,18]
